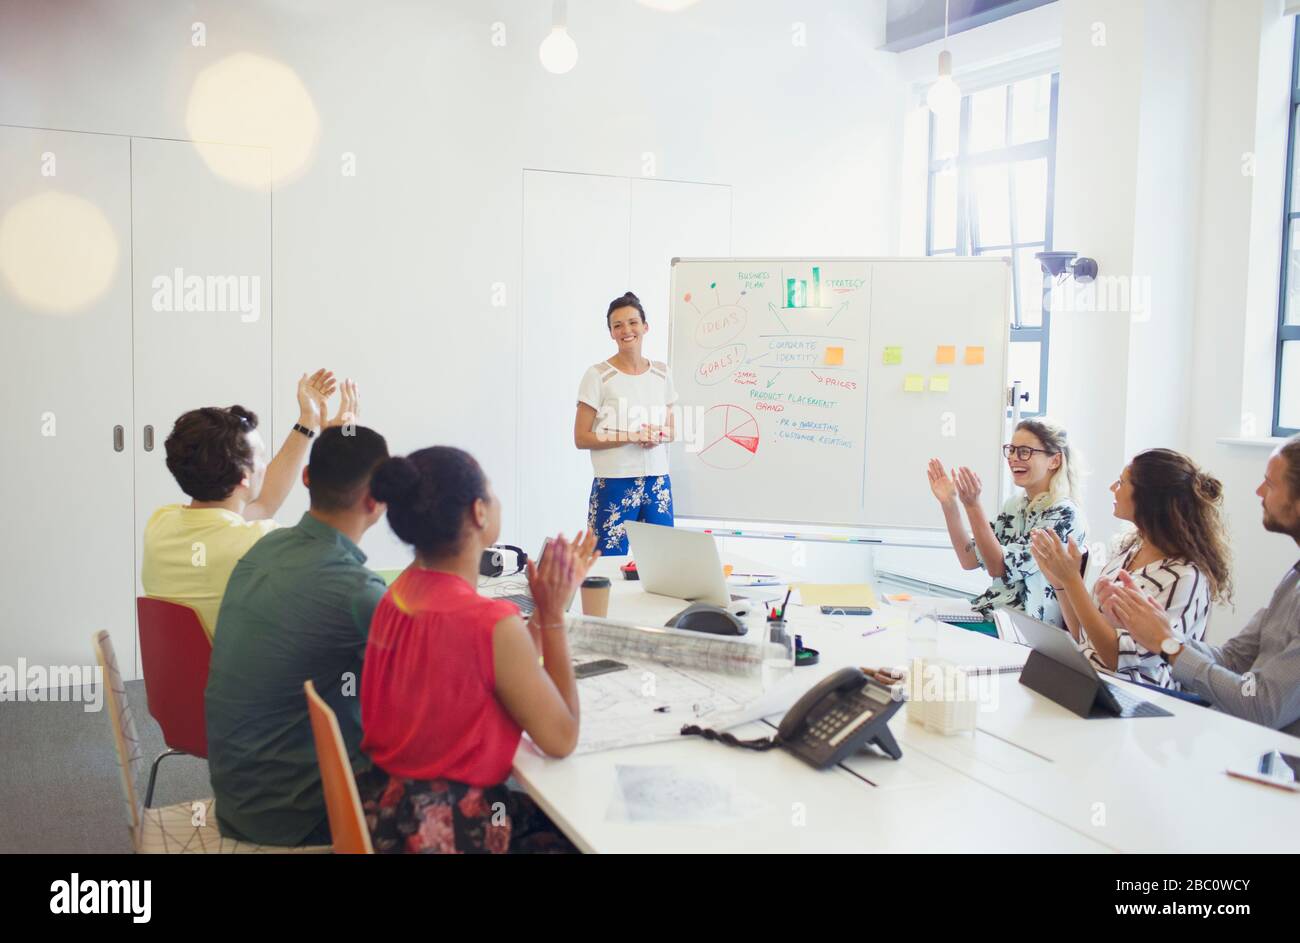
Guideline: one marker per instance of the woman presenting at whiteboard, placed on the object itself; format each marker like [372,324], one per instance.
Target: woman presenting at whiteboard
[624,419]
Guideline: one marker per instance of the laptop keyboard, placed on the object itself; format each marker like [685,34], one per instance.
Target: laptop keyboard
[1130,706]
[523,600]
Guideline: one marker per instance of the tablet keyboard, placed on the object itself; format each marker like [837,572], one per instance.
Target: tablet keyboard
[1130,706]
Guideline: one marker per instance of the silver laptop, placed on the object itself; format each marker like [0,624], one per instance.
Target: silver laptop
[679,563]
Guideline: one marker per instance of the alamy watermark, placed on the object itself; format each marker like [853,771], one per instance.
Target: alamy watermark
[38,683]
[209,293]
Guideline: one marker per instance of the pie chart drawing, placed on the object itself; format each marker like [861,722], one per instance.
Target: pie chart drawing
[730,437]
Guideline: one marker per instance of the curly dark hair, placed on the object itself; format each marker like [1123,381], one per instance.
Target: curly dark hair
[1179,509]
[428,493]
[208,452]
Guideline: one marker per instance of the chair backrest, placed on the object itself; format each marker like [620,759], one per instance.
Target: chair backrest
[175,653]
[348,827]
[125,737]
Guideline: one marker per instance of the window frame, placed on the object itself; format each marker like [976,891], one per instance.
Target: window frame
[1287,332]
[967,236]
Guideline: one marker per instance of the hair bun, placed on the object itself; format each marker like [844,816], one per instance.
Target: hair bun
[396,479]
[628,296]
[1208,487]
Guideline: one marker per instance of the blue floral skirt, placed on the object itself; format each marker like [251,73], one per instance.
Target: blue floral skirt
[614,501]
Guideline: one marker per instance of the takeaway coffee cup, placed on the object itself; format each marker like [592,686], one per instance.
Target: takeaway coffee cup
[595,596]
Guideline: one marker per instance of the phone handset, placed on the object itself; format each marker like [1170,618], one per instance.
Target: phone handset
[838,716]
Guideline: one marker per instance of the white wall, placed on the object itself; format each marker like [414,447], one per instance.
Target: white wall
[387,276]
[1237,265]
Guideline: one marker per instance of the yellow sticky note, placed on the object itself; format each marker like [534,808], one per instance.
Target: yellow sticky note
[946,353]
[914,383]
[939,384]
[974,355]
[834,356]
[893,356]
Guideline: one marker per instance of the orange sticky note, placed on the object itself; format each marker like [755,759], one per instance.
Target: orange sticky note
[834,356]
[946,353]
[974,355]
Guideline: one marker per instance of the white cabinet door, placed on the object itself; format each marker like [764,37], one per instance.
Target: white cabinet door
[65,369]
[202,289]
[586,240]
[574,262]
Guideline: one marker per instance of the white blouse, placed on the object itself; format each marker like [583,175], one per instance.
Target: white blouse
[1177,585]
[623,402]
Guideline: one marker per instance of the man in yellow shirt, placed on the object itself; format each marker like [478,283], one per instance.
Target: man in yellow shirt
[218,458]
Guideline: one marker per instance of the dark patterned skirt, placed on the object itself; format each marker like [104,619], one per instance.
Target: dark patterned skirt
[438,816]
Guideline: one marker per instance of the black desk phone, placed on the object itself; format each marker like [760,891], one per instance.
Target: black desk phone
[838,716]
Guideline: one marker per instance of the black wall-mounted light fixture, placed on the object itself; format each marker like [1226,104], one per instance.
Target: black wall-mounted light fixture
[1062,264]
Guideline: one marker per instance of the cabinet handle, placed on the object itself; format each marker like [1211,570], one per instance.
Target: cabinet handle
[119,438]
[148,438]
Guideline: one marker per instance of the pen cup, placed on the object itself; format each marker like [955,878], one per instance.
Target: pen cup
[595,596]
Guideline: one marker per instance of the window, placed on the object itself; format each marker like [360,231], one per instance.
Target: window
[992,168]
[1286,379]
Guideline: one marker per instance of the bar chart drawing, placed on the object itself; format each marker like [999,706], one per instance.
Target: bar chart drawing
[802,292]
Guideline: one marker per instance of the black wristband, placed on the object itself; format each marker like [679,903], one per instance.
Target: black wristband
[299,427]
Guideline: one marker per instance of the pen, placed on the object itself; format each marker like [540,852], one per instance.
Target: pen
[663,710]
[874,631]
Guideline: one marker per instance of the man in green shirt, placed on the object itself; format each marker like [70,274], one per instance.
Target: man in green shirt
[297,607]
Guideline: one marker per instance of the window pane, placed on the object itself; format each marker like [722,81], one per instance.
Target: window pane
[1295,164]
[1288,415]
[1029,275]
[1293,274]
[1023,366]
[1031,109]
[1031,199]
[988,119]
[943,214]
[993,204]
[945,134]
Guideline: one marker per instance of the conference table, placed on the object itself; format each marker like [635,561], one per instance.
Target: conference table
[1032,777]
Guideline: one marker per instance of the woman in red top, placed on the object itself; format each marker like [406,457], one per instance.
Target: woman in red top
[451,678]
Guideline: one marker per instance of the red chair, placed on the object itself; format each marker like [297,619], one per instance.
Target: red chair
[176,653]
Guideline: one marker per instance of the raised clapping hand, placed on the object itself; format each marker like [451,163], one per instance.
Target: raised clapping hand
[968,487]
[563,566]
[1058,559]
[349,407]
[940,484]
[1142,616]
[313,390]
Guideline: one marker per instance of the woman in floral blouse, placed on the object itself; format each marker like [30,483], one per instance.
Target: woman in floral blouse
[1042,467]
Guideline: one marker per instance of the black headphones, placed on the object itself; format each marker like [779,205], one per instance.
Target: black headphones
[493,562]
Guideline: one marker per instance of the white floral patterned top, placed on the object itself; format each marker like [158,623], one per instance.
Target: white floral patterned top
[1023,586]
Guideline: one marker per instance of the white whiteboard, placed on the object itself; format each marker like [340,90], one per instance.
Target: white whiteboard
[792,376]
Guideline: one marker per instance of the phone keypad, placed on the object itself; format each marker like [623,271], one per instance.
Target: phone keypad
[842,718]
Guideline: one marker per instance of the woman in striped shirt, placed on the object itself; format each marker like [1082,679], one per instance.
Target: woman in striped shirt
[1177,554]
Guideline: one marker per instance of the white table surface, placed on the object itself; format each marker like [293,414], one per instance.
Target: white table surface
[1033,777]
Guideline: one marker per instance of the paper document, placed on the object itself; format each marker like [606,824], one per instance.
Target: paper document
[672,678]
[671,795]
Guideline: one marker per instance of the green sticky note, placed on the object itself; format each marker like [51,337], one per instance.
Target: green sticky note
[939,384]
[893,356]
[914,383]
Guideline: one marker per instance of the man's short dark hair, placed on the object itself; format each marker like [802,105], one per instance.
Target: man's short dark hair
[1290,452]
[342,460]
[208,452]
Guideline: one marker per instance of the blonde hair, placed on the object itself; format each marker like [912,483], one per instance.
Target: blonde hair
[1064,482]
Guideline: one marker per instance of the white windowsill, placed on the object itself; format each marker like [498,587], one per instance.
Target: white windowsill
[1267,442]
